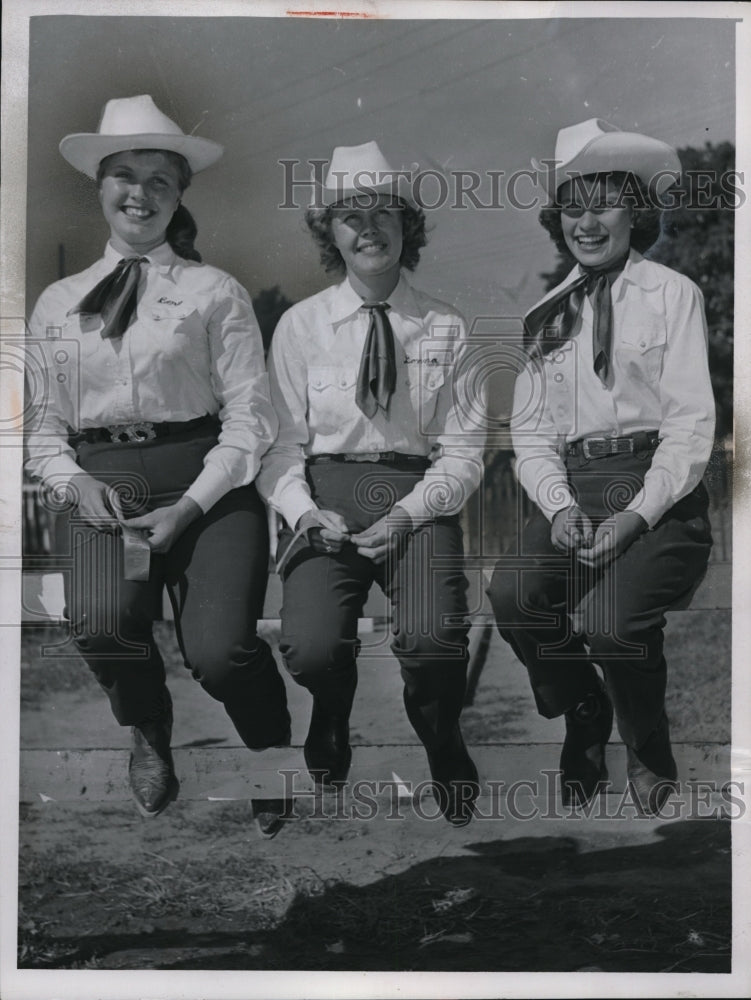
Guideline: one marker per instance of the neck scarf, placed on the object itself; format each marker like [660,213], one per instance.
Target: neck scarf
[114,297]
[549,324]
[376,379]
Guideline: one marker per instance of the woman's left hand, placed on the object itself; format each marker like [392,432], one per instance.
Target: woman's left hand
[382,537]
[613,537]
[165,525]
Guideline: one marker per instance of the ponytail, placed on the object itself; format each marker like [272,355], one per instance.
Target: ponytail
[181,234]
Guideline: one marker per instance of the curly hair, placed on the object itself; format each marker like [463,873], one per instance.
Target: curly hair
[646,216]
[182,229]
[414,237]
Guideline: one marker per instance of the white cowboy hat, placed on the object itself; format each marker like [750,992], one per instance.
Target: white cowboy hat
[360,172]
[595,146]
[135,123]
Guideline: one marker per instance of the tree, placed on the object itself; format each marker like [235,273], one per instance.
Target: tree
[268,306]
[698,240]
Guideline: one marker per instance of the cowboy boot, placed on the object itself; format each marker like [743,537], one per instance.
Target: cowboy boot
[151,769]
[327,752]
[455,779]
[588,728]
[652,771]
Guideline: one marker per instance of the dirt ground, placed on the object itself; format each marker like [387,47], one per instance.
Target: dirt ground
[101,888]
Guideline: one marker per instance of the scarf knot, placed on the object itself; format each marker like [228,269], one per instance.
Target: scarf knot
[114,297]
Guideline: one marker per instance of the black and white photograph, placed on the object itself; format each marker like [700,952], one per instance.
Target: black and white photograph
[373,603]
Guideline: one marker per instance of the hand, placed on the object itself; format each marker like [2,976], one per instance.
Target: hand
[571,529]
[377,541]
[165,525]
[327,531]
[613,537]
[96,502]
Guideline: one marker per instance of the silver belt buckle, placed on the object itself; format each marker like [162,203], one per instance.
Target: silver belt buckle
[131,433]
[364,456]
[586,442]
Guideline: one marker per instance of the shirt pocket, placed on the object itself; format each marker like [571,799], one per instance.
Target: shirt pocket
[640,352]
[174,327]
[331,397]
[559,385]
[85,331]
[427,385]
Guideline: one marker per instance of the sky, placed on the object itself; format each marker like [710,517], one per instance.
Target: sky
[482,95]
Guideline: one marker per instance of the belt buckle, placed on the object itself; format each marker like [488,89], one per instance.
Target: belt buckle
[600,447]
[364,456]
[131,433]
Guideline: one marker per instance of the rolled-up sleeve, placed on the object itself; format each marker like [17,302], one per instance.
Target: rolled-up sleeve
[240,383]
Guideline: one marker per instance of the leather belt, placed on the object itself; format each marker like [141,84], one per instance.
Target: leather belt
[389,457]
[139,431]
[602,447]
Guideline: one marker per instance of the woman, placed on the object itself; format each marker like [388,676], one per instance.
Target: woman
[369,471]
[613,427]
[163,440]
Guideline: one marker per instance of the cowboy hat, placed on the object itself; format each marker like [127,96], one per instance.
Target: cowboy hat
[595,146]
[135,123]
[360,172]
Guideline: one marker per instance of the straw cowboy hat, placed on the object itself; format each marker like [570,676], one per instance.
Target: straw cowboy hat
[360,171]
[595,146]
[135,123]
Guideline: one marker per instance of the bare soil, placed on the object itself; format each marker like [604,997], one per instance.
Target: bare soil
[99,887]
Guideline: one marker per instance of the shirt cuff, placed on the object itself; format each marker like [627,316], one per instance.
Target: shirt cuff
[293,508]
[415,507]
[210,486]
[59,470]
[650,509]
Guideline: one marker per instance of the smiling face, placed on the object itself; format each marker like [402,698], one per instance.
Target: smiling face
[370,242]
[139,192]
[596,225]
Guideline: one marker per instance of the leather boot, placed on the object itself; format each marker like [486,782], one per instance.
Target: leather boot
[652,771]
[588,728]
[271,814]
[151,769]
[327,752]
[455,780]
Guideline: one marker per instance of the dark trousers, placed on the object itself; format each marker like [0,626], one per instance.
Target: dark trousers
[324,594]
[622,607]
[215,573]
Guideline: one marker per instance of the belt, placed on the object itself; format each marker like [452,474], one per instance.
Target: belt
[390,457]
[601,447]
[139,431]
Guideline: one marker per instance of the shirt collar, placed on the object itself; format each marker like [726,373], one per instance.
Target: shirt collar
[345,301]
[162,257]
[639,271]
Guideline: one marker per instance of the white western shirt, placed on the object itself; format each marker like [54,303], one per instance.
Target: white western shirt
[313,365]
[660,381]
[193,349]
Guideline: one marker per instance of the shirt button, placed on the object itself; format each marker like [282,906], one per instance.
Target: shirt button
[558,358]
[558,377]
[643,343]
[407,382]
[319,382]
[343,382]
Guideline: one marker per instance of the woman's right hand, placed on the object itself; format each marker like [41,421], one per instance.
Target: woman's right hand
[96,502]
[571,529]
[327,531]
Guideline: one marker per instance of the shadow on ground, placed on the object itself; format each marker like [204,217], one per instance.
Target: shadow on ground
[523,904]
